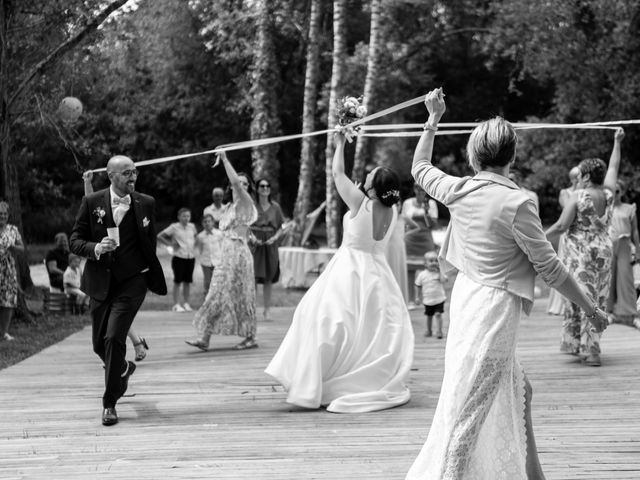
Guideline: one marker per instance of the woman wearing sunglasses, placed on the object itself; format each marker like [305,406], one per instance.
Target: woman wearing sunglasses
[267,231]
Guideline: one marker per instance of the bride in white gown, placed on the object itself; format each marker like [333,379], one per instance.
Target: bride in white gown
[350,344]
[482,426]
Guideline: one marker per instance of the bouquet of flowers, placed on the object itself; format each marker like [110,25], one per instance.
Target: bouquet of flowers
[350,109]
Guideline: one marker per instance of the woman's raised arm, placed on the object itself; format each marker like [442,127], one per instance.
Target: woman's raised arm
[614,162]
[348,191]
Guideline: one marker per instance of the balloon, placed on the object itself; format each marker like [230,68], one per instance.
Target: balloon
[70,109]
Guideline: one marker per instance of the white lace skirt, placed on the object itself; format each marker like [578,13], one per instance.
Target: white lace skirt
[478,431]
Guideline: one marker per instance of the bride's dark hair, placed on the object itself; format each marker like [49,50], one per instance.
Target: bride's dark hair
[386,184]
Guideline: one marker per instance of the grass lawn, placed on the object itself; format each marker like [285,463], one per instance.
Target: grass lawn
[30,338]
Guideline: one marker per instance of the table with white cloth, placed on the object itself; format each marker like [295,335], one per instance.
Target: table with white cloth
[299,267]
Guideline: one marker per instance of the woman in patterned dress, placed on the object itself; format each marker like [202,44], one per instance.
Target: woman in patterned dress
[10,241]
[588,249]
[482,427]
[230,305]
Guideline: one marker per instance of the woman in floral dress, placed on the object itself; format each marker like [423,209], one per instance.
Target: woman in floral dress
[9,240]
[586,219]
[230,305]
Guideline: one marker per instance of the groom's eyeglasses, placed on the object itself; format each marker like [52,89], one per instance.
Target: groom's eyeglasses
[128,173]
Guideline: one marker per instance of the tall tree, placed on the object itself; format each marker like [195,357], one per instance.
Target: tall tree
[307,153]
[264,82]
[11,92]
[337,73]
[373,64]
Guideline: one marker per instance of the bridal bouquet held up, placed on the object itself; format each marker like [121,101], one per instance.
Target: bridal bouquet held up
[350,109]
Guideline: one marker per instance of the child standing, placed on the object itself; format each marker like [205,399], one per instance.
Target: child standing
[71,282]
[431,281]
[208,249]
[181,236]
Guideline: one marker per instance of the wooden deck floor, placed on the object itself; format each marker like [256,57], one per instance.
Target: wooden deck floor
[190,414]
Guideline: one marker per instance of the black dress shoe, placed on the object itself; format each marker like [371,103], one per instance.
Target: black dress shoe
[125,379]
[109,416]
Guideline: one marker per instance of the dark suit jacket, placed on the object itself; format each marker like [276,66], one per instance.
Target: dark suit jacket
[92,221]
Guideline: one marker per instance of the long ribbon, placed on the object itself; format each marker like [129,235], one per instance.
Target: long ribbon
[365,129]
[283,138]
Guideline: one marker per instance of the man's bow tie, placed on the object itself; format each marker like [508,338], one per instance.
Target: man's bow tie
[126,200]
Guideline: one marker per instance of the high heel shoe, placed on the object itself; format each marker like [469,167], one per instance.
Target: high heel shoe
[140,349]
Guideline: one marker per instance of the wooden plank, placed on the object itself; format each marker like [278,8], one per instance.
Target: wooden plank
[192,414]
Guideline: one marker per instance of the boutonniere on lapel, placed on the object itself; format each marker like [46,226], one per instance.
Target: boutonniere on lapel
[145,222]
[100,213]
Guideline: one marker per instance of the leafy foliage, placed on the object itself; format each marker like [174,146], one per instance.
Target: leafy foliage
[172,77]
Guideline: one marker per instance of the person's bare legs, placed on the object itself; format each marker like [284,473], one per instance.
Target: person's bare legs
[438,316]
[534,469]
[266,293]
[176,293]
[186,293]
[139,344]
[429,322]
[133,336]
[5,320]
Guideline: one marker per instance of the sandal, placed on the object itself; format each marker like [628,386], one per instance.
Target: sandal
[246,344]
[592,360]
[140,349]
[198,344]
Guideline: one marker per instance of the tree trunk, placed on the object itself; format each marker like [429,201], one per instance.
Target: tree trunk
[9,189]
[9,185]
[265,122]
[307,154]
[337,74]
[373,64]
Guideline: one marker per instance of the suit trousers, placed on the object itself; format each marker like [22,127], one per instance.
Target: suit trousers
[111,319]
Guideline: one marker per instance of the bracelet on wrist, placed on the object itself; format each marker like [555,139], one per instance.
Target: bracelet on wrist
[428,126]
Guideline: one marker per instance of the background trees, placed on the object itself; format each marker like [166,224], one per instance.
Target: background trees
[165,77]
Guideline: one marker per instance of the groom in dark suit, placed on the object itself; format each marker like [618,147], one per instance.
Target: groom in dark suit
[121,265]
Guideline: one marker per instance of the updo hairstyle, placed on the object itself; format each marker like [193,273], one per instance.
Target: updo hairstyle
[595,168]
[387,186]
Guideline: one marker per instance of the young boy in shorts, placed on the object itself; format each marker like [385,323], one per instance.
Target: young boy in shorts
[181,237]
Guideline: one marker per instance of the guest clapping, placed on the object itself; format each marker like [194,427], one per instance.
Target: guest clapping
[586,219]
[10,240]
[267,231]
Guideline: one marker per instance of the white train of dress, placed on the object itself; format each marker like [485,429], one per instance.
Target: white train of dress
[350,343]
[478,430]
